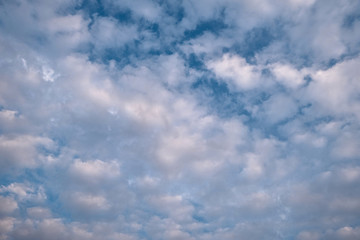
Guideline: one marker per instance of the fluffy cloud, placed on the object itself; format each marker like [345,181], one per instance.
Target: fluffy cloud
[237,71]
[21,151]
[8,205]
[188,120]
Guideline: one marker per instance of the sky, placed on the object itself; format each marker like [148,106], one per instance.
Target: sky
[179,120]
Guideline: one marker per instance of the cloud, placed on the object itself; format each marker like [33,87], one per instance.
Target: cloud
[279,107]
[237,72]
[288,76]
[109,34]
[179,120]
[21,151]
[335,88]
[8,205]
[38,212]
[94,171]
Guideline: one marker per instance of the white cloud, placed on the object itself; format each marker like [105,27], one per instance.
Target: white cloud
[254,167]
[166,229]
[236,72]
[94,171]
[308,138]
[346,146]
[279,107]
[21,190]
[86,206]
[173,206]
[306,3]
[6,225]
[19,152]
[38,212]
[8,205]
[108,33]
[288,76]
[350,174]
[206,45]
[308,236]
[8,115]
[25,192]
[335,89]
[146,145]
[48,228]
[348,233]
[48,74]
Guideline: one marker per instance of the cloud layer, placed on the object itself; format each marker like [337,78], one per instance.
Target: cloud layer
[179,120]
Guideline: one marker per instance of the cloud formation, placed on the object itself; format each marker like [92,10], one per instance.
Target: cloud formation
[179,120]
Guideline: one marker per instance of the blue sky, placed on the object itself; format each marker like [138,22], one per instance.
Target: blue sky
[194,120]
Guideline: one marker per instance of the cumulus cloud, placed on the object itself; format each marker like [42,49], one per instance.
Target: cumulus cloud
[179,120]
[108,33]
[8,205]
[95,171]
[237,71]
[21,151]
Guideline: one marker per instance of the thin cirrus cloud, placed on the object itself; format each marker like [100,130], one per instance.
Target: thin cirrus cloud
[179,120]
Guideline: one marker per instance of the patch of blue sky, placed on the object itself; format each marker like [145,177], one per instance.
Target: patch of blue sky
[214,26]
[313,122]
[134,50]
[227,104]
[97,8]
[219,98]
[149,26]
[173,9]
[194,61]
[350,20]
[122,55]
[349,54]
[255,40]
